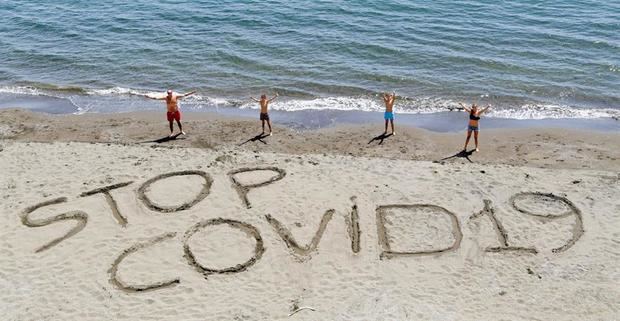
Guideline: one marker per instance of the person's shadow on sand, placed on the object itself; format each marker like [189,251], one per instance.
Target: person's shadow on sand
[258,137]
[163,139]
[380,138]
[462,154]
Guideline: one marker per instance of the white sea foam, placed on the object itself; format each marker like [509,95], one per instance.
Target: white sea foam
[434,105]
[20,90]
[542,111]
[410,105]
[416,105]
[111,91]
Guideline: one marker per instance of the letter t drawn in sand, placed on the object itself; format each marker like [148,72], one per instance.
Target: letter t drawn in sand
[122,220]
[243,190]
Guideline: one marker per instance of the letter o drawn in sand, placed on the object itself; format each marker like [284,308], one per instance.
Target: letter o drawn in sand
[204,192]
[382,212]
[248,229]
[244,189]
[546,197]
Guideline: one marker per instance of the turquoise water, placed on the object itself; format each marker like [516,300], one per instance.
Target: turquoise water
[531,59]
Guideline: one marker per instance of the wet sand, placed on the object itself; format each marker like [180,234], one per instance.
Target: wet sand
[537,147]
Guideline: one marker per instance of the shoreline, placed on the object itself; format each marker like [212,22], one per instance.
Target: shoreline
[534,147]
[320,112]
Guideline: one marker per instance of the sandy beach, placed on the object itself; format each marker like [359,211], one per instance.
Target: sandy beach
[104,219]
[536,147]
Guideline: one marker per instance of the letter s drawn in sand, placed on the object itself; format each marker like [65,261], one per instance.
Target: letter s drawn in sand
[79,216]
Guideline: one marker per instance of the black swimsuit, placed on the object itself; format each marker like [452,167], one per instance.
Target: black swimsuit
[473,117]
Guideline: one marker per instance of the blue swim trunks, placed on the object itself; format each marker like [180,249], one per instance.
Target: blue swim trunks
[472,128]
[388,115]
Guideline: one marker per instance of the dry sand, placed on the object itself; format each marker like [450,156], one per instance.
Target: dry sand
[336,234]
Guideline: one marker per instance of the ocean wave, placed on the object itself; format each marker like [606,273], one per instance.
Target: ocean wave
[86,101]
[20,90]
[42,90]
[543,111]
[113,91]
[430,105]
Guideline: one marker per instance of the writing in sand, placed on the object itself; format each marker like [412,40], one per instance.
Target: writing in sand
[382,214]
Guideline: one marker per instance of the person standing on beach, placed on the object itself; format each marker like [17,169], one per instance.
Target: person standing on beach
[264,110]
[174,113]
[388,99]
[474,118]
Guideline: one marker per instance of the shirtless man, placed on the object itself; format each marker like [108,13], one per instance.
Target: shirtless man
[389,111]
[264,112]
[174,113]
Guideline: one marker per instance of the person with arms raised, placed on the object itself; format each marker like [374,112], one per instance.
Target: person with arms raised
[264,110]
[474,118]
[173,113]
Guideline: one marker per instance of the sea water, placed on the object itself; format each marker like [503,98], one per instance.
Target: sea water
[530,59]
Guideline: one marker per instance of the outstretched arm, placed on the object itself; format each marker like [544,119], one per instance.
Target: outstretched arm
[482,111]
[465,108]
[186,94]
[254,99]
[393,97]
[149,96]
[274,97]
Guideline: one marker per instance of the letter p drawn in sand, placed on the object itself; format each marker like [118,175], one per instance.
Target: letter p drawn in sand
[244,189]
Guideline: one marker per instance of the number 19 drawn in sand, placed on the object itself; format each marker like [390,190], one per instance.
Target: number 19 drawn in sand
[547,198]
